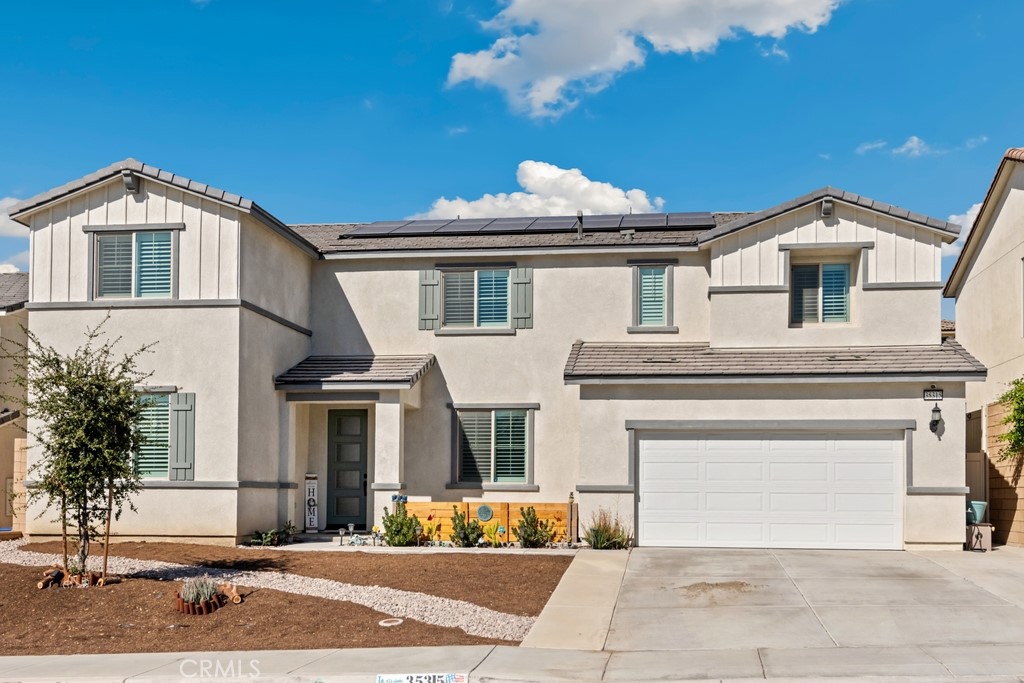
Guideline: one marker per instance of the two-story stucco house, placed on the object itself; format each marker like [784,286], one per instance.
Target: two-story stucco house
[715,379]
[988,284]
[13,322]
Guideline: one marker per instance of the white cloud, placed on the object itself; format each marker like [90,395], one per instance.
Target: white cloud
[9,268]
[547,191]
[915,147]
[971,143]
[549,54]
[865,147]
[8,227]
[775,51]
[457,130]
[827,156]
[966,220]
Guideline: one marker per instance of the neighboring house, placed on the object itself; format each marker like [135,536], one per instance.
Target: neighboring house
[714,379]
[13,321]
[988,284]
[948,329]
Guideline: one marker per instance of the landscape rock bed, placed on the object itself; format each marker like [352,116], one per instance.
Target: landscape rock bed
[429,609]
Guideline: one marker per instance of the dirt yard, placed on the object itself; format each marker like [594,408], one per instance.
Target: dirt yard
[515,583]
[139,616]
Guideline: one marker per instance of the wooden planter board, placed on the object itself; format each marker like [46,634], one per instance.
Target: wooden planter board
[506,514]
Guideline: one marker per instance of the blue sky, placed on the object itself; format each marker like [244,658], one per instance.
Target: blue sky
[366,110]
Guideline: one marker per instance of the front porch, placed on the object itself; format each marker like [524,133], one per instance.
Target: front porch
[346,425]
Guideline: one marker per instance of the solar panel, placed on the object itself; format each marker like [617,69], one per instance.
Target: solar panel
[602,222]
[426,227]
[463,227]
[508,225]
[553,224]
[691,220]
[376,229]
[643,220]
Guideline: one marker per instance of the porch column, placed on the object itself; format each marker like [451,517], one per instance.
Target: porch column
[388,454]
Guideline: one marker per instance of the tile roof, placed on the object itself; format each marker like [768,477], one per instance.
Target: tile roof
[949,326]
[341,370]
[835,193]
[640,361]
[13,291]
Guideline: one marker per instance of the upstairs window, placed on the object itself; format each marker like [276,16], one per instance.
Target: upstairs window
[134,264]
[820,292]
[651,295]
[475,298]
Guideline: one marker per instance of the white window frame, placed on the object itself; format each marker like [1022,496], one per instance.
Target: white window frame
[135,456]
[96,231]
[669,327]
[456,481]
[849,292]
[476,299]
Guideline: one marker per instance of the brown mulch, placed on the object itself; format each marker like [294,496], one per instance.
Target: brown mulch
[515,583]
[139,616]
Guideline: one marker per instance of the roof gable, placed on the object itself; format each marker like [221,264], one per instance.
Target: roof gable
[132,166]
[983,222]
[945,227]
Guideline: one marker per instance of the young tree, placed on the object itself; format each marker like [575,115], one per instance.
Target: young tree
[83,411]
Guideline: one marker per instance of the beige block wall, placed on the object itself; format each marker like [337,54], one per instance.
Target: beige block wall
[990,308]
[937,462]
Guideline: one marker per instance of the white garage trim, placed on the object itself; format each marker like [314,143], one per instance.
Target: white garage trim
[767,526]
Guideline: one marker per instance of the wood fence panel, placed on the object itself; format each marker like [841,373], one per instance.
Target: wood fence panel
[1005,488]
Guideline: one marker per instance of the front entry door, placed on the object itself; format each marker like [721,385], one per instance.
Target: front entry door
[346,468]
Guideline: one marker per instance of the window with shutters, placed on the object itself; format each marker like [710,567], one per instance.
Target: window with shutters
[493,446]
[475,298]
[167,431]
[820,293]
[652,298]
[134,265]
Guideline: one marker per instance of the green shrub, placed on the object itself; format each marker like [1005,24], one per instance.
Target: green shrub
[1013,439]
[399,528]
[532,532]
[464,535]
[198,588]
[606,532]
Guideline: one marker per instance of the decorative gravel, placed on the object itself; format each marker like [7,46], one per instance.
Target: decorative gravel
[429,609]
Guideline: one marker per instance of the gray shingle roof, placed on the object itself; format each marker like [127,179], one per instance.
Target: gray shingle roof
[639,361]
[834,193]
[326,370]
[13,291]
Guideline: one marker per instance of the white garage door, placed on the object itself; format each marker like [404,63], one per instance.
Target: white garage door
[771,490]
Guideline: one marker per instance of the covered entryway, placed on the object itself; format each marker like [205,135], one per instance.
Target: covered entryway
[768,489]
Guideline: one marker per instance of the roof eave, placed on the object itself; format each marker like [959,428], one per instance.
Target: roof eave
[779,379]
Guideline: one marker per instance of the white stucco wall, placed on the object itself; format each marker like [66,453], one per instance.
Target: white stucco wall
[274,272]
[990,308]
[13,334]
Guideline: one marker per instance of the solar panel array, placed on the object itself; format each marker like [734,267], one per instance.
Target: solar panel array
[544,224]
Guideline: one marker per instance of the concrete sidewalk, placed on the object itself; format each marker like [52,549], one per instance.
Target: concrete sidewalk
[498,664]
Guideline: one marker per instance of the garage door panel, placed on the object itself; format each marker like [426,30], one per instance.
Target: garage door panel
[786,490]
[734,471]
[798,502]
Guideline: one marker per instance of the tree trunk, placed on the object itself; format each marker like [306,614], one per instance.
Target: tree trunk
[64,526]
[106,536]
[83,533]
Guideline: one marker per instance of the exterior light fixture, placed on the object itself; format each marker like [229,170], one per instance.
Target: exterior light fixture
[936,419]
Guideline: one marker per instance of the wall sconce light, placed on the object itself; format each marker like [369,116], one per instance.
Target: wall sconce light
[936,419]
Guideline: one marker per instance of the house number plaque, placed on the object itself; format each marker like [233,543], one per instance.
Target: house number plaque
[933,394]
[309,504]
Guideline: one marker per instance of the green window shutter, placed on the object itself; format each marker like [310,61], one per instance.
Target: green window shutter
[182,436]
[522,298]
[804,294]
[114,265]
[458,295]
[651,306]
[835,293]
[152,458]
[510,445]
[153,264]
[475,446]
[430,299]
[492,298]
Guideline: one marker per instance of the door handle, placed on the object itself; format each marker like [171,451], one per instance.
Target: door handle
[364,483]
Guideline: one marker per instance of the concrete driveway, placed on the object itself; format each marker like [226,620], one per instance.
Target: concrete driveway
[694,613]
[737,599]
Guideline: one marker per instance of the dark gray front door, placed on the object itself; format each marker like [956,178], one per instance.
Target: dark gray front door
[346,468]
